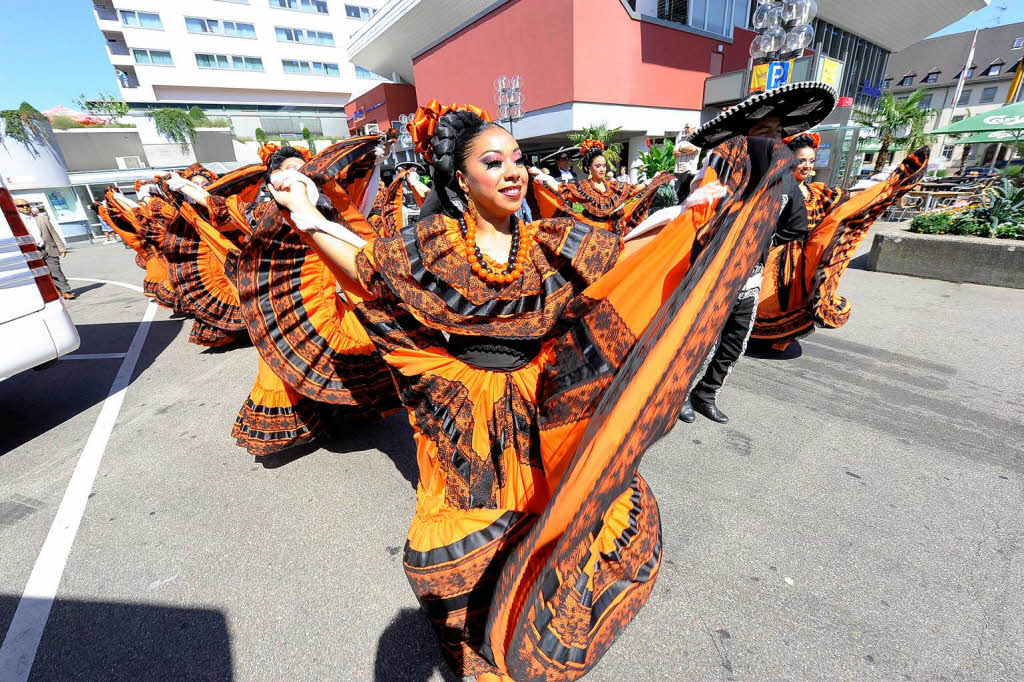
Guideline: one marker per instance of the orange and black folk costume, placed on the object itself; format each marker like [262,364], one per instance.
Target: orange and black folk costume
[619,208]
[801,279]
[197,253]
[535,540]
[315,357]
[156,283]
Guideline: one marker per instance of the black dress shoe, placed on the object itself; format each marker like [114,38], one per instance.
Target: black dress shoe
[686,415]
[711,411]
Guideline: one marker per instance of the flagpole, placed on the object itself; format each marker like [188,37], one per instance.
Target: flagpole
[963,79]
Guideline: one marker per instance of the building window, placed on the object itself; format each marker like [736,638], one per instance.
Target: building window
[1018,43]
[926,102]
[233,29]
[988,95]
[965,98]
[229,62]
[887,83]
[312,68]
[993,70]
[368,75]
[907,80]
[152,57]
[307,37]
[141,19]
[947,152]
[957,118]
[931,77]
[313,6]
[358,12]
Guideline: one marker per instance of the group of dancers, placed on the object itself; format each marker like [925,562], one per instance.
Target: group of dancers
[536,361]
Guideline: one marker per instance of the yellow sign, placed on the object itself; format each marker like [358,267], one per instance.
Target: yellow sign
[759,78]
[830,71]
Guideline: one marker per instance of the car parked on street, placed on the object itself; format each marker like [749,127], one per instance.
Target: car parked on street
[35,327]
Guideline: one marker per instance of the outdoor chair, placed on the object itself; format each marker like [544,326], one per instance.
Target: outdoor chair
[898,212]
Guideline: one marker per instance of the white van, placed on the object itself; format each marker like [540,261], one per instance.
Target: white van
[35,327]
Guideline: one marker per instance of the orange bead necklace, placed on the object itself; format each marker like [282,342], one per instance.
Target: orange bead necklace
[486,268]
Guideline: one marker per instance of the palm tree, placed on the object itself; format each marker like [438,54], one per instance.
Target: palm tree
[898,121]
[601,132]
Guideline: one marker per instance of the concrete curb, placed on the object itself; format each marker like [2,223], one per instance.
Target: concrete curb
[995,262]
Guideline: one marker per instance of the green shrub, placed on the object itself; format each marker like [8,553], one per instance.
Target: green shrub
[941,173]
[931,223]
[968,224]
[261,136]
[64,123]
[1009,231]
[244,138]
[1011,171]
[215,123]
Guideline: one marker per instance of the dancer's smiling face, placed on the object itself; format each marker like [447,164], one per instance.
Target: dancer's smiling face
[494,177]
[805,157]
[598,168]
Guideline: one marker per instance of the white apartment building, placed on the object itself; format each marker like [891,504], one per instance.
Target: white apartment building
[937,65]
[279,65]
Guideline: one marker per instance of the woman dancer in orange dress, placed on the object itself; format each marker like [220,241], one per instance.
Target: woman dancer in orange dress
[597,199]
[801,279]
[535,540]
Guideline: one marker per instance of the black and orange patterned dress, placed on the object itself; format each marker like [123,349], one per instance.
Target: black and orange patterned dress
[801,279]
[619,207]
[535,541]
[315,359]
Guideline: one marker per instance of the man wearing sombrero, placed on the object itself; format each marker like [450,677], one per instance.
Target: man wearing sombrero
[785,111]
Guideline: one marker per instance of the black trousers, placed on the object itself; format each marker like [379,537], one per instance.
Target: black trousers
[61,282]
[683,181]
[730,346]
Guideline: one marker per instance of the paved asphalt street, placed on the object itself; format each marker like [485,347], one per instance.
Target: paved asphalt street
[861,518]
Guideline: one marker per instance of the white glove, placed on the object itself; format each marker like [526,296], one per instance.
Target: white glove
[144,192]
[175,182]
[380,155]
[305,222]
[285,179]
[705,195]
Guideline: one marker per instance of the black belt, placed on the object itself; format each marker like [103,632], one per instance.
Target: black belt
[501,355]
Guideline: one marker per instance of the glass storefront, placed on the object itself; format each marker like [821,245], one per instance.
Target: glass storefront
[865,61]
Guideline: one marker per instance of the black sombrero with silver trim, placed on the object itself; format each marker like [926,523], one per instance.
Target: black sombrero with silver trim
[571,152]
[801,106]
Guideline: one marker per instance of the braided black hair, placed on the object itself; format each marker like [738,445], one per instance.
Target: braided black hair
[800,142]
[453,136]
[589,156]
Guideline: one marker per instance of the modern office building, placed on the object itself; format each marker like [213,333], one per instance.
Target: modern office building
[278,65]
[937,64]
[640,65]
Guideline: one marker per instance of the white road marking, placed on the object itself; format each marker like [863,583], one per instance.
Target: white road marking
[18,652]
[133,287]
[94,356]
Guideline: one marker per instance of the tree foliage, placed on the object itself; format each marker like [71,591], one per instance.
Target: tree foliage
[104,105]
[308,137]
[898,122]
[176,125]
[27,126]
[601,132]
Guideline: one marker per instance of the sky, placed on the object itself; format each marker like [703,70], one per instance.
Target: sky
[998,13]
[53,50]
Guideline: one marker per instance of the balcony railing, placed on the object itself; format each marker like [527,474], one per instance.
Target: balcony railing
[118,49]
[105,13]
[674,10]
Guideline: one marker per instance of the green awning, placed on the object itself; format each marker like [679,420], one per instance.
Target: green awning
[1009,118]
[1004,136]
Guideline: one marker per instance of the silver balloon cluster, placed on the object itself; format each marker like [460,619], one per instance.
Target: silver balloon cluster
[508,95]
[785,26]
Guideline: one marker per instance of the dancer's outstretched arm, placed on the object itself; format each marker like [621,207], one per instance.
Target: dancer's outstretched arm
[337,242]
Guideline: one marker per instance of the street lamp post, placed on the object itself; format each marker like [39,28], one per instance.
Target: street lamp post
[508,95]
[784,28]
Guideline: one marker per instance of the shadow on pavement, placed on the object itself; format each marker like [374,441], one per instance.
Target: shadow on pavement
[392,436]
[408,651]
[97,640]
[860,262]
[34,402]
[763,351]
[78,291]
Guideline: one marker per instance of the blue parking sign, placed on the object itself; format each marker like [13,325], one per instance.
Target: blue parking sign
[778,75]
